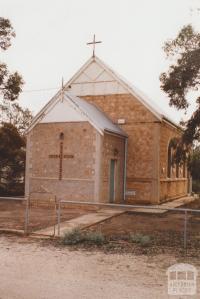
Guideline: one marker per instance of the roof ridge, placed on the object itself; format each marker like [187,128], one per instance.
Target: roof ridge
[140,94]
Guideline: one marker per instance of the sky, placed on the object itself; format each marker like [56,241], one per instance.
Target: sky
[51,39]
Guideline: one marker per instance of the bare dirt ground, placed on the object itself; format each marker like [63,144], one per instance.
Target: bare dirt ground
[12,215]
[31,269]
[35,269]
[164,229]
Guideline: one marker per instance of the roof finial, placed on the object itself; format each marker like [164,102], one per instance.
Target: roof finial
[62,83]
[62,90]
[94,42]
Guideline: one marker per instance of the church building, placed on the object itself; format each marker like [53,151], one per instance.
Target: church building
[99,139]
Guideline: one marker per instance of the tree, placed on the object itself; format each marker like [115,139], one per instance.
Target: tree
[194,167]
[14,114]
[10,84]
[12,162]
[13,122]
[195,164]
[182,77]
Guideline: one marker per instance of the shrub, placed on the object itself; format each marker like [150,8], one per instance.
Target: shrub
[95,238]
[140,239]
[76,236]
[73,237]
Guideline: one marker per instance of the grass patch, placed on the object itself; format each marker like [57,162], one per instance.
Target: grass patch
[77,236]
[143,240]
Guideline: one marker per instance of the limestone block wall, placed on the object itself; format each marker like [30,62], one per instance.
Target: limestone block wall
[143,132]
[78,168]
[122,106]
[142,166]
[174,186]
[113,148]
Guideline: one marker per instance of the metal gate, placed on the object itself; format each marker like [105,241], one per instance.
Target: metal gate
[41,212]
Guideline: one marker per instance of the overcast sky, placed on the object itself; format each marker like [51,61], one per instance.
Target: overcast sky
[51,39]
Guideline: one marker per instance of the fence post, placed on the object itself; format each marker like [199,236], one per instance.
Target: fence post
[26,217]
[185,231]
[59,212]
[55,210]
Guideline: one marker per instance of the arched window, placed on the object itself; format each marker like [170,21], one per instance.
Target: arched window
[169,159]
[177,170]
[61,136]
[184,169]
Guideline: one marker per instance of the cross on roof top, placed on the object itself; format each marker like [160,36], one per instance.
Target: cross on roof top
[94,42]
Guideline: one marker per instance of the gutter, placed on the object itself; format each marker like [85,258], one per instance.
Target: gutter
[173,124]
[125,160]
[114,133]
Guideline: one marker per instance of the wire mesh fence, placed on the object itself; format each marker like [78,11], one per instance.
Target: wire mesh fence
[41,212]
[165,227]
[12,213]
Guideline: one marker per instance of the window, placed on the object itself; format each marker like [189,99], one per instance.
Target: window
[184,169]
[169,160]
[61,136]
[177,170]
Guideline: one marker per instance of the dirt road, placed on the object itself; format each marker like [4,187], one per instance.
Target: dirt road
[31,271]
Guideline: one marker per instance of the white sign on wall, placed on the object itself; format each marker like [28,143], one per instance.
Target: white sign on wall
[130,192]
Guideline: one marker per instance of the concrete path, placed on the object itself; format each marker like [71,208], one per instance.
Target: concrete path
[83,221]
[168,205]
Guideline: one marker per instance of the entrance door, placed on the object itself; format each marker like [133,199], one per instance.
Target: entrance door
[112,180]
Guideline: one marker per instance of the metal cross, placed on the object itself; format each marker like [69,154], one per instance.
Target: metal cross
[94,43]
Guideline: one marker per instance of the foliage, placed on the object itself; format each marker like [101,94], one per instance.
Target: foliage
[77,236]
[95,237]
[194,164]
[6,33]
[196,186]
[13,122]
[73,237]
[140,239]
[15,115]
[182,77]
[12,162]
[10,84]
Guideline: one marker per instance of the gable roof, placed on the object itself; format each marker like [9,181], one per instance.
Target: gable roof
[84,112]
[111,77]
[105,77]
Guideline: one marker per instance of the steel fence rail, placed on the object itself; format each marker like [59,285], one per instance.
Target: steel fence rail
[13,198]
[157,207]
[128,206]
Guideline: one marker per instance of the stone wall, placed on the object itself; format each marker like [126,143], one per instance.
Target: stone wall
[174,186]
[78,173]
[142,128]
[88,171]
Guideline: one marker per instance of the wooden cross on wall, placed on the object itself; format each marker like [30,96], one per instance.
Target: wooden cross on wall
[61,156]
[94,42]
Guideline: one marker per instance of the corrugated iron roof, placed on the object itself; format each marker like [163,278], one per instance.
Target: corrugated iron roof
[92,114]
[95,115]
